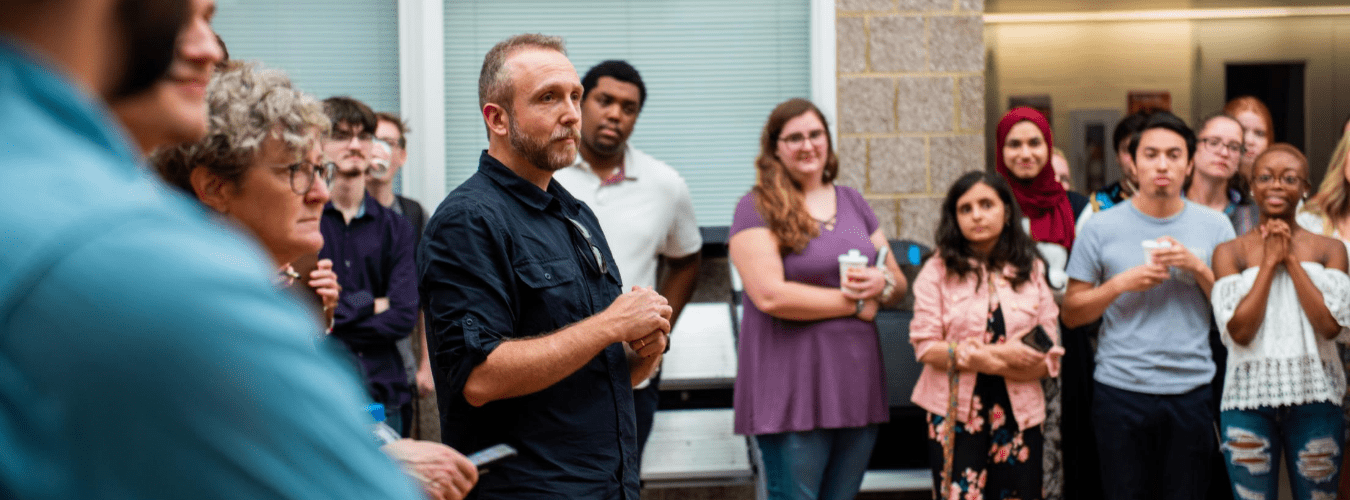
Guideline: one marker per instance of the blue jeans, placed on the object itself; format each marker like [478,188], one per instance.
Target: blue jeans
[1254,439]
[819,464]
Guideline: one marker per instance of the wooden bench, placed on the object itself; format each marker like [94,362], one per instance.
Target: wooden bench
[896,480]
[697,448]
[702,350]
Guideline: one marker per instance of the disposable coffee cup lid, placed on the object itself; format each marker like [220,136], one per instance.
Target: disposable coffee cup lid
[853,257]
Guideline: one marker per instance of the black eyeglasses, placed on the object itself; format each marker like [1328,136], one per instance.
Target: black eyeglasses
[1288,180]
[796,140]
[1216,144]
[342,135]
[303,174]
[595,250]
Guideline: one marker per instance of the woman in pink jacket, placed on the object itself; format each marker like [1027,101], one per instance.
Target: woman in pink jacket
[981,304]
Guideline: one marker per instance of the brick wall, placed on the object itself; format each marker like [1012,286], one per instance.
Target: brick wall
[910,105]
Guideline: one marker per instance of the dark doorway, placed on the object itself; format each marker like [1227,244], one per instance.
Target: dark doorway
[1280,86]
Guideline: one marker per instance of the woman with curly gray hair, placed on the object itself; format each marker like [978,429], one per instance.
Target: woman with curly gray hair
[260,162]
[261,166]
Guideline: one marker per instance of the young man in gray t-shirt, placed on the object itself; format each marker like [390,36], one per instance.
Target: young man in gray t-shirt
[1143,267]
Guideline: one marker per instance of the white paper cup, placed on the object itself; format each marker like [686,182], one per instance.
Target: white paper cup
[847,261]
[1151,246]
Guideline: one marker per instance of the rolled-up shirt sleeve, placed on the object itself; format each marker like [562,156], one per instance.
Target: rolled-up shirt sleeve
[463,260]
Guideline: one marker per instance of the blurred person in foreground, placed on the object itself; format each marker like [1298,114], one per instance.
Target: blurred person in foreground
[142,344]
[260,167]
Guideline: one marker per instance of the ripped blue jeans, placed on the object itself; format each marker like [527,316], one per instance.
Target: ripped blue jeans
[1254,439]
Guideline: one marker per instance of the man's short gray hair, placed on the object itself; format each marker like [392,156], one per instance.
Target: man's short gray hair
[494,81]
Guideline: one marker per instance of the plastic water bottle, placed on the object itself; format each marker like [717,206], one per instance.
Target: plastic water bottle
[384,434]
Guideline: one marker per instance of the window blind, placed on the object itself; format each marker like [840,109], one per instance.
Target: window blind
[328,47]
[713,70]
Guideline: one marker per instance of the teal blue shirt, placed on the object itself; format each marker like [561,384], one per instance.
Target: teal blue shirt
[144,352]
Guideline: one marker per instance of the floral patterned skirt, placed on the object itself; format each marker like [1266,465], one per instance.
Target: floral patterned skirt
[992,459]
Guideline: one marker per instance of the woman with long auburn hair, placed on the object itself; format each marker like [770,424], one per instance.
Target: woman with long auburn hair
[810,387]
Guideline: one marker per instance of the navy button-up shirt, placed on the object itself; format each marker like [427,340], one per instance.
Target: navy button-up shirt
[502,259]
[373,257]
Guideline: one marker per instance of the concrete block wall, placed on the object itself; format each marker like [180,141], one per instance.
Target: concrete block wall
[910,105]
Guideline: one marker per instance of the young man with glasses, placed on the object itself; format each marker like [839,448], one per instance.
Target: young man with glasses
[1143,267]
[527,319]
[372,252]
[1218,150]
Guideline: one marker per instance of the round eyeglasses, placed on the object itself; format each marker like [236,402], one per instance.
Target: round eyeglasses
[303,174]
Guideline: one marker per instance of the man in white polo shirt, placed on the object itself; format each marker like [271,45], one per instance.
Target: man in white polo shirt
[642,203]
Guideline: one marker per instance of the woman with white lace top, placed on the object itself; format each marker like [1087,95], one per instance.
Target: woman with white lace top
[1281,298]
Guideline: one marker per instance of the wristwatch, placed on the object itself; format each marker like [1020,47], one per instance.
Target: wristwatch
[861,303]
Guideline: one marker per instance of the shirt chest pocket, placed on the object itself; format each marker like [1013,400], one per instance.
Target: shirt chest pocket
[551,295]
[1020,314]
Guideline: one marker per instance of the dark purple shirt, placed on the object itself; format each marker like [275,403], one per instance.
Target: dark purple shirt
[804,375]
[373,257]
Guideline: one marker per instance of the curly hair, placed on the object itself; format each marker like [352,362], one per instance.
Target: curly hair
[247,104]
[1013,247]
[779,198]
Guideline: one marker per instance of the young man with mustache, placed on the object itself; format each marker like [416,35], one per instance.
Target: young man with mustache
[372,252]
[1143,267]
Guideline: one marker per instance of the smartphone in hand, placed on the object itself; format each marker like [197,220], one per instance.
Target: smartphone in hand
[1039,340]
[486,456]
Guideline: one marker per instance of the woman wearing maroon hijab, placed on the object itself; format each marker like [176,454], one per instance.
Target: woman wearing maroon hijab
[1023,158]
[1022,155]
